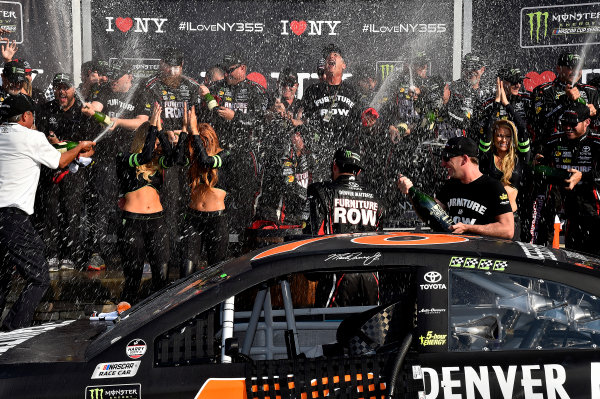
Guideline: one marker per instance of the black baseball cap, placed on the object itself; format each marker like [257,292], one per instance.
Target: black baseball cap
[27,66]
[332,48]
[232,59]
[15,105]
[575,113]
[511,75]
[117,69]
[420,58]
[569,59]
[65,78]
[99,66]
[457,146]
[346,156]
[288,76]
[473,61]
[172,56]
[14,71]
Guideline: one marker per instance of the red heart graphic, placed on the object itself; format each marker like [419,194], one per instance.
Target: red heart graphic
[298,27]
[536,79]
[124,24]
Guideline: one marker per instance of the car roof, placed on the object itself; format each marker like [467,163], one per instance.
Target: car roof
[190,296]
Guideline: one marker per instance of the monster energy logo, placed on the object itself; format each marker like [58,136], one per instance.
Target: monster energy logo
[348,154]
[386,70]
[535,20]
[96,393]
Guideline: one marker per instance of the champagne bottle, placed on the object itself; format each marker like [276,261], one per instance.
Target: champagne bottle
[101,118]
[210,101]
[428,208]
[64,146]
[555,174]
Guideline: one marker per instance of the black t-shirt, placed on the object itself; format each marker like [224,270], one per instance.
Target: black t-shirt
[171,99]
[70,125]
[117,105]
[478,202]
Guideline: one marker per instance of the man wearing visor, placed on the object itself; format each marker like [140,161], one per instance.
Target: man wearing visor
[578,152]
[477,203]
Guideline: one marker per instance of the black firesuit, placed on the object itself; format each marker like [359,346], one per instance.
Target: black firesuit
[465,103]
[549,100]
[343,206]
[582,204]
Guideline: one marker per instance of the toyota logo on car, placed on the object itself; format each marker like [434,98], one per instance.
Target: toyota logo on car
[433,281]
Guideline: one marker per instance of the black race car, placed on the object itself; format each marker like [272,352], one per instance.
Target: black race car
[454,317]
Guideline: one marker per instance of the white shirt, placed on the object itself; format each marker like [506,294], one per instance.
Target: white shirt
[22,151]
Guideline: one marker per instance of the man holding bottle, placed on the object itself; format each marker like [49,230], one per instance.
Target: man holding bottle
[118,111]
[477,204]
[578,152]
[22,152]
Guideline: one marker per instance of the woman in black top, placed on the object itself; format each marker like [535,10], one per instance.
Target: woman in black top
[504,150]
[204,221]
[143,235]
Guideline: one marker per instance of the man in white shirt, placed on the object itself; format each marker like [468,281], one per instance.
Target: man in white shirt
[22,152]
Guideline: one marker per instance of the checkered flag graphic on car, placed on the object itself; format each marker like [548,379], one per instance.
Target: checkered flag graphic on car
[485,264]
[500,265]
[470,263]
[456,261]
[373,332]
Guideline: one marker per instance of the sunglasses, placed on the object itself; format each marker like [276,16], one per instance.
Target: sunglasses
[233,68]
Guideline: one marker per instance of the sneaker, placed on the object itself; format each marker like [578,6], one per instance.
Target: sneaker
[67,264]
[54,263]
[96,263]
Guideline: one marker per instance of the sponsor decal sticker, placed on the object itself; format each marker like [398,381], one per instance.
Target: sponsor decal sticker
[116,369]
[126,391]
[477,263]
[136,348]
[431,311]
[432,280]
[432,339]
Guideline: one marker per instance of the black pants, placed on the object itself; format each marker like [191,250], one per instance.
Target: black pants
[143,237]
[21,248]
[208,229]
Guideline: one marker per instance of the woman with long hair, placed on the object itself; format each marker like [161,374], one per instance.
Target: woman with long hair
[504,151]
[204,221]
[143,234]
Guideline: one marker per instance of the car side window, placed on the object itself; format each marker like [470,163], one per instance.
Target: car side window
[499,311]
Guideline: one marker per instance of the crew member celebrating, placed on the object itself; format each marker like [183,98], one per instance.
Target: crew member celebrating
[22,152]
[344,206]
[577,151]
[477,203]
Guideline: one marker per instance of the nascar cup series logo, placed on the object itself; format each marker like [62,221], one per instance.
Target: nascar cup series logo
[136,348]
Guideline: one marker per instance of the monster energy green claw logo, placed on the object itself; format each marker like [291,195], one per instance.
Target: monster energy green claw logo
[386,69]
[97,393]
[535,19]
[348,154]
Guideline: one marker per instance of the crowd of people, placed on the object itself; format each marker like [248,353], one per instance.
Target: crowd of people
[183,174]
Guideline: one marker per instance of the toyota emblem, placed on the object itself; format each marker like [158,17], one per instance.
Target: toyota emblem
[432,277]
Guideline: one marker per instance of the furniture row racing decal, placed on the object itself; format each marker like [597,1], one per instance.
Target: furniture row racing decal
[391,239]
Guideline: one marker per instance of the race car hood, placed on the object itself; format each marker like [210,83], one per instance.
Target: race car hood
[64,341]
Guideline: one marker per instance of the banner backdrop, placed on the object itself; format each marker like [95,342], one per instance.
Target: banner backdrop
[274,34]
[43,33]
[531,34]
